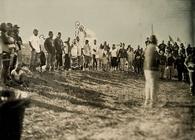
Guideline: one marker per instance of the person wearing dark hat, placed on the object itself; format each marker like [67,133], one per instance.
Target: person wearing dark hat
[49,47]
[151,71]
[190,64]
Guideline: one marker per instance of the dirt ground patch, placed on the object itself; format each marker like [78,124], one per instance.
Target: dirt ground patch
[105,106]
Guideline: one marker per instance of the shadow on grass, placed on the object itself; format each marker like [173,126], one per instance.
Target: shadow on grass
[179,104]
[51,107]
[72,93]
[62,109]
[115,79]
[132,103]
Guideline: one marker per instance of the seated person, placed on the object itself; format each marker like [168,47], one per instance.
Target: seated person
[18,76]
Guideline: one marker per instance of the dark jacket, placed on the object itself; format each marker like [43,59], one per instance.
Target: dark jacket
[162,60]
[180,62]
[162,47]
[49,46]
[170,61]
[58,45]
[122,53]
[18,40]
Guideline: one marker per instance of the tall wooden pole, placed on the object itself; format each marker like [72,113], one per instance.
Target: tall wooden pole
[152,29]
[192,17]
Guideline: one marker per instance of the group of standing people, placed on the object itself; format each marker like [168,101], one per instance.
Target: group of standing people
[83,55]
[172,58]
[153,61]
[10,55]
[160,58]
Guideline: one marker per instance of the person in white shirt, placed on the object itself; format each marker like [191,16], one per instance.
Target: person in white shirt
[18,76]
[94,50]
[114,53]
[35,45]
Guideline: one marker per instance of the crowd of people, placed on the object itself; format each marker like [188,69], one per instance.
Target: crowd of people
[160,58]
[56,54]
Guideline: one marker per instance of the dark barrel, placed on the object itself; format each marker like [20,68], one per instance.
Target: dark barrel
[11,119]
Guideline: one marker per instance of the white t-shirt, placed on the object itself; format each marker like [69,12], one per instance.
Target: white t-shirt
[17,75]
[74,51]
[35,41]
[114,53]
[99,53]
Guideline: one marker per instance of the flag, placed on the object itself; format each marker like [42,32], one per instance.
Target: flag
[171,39]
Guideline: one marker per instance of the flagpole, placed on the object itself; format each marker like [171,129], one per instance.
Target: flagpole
[152,29]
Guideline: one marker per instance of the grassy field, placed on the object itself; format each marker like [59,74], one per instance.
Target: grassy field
[105,106]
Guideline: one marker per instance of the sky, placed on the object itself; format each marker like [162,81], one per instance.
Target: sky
[114,21]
